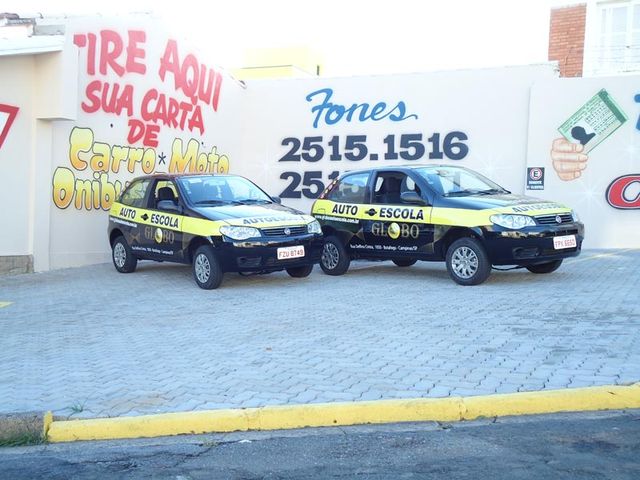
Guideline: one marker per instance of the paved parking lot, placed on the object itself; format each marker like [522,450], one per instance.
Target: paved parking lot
[90,342]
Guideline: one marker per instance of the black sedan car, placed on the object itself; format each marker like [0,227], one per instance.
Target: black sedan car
[216,223]
[442,213]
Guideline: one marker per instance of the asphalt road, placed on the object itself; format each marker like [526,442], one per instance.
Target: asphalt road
[576,446]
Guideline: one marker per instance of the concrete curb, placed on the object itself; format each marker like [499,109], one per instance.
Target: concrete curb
[451,409]
[23,428]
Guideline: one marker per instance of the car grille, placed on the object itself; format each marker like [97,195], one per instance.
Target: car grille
[248,262]
[552,251]
[551,219]
[280,231]
[526,252]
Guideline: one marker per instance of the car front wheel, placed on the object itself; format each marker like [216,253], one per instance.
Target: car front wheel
[545,267]
[300,272]
[335,259]
[467,262]
[206,268]
[403,262]
[123,258]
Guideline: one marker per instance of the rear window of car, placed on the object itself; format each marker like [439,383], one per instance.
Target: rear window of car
[351,189]
[135,194]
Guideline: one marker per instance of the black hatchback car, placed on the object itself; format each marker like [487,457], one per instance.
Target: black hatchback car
[441,213]
[216,223]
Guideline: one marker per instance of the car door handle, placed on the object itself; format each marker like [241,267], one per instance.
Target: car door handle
[371,211]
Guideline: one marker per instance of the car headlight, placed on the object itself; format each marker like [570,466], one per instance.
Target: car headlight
[239,233]
[314,227]
[575,216]
[514,222]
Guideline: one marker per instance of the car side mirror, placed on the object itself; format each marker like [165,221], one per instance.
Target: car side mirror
[169,206]
[412,197]
[276,199]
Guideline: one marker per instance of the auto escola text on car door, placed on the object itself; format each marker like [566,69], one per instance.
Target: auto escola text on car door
[383,229]
[150,232]
[158,234]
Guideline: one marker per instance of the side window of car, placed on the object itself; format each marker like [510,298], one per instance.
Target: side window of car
[164,190]
[351,189]
[135,194]
[409,185]
[390,186]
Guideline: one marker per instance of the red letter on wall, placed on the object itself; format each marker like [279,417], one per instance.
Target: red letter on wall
[11,113]
[111,46]
[618,196]
[134,52]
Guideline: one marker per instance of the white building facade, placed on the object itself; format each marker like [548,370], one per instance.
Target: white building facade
[84,112]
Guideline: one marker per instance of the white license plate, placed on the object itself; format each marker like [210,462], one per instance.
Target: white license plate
[284,253]
[565,241]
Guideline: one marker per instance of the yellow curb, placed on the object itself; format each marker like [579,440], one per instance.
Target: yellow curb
[46,423]
[610,397]
[449,409]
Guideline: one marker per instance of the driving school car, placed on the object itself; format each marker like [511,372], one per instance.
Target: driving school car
[221,223]
[441,213]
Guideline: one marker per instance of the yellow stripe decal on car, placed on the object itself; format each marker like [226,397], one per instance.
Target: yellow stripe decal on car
[397,213]
[271,221]
[201,226]
[437,215]
[534,209]
[142,216]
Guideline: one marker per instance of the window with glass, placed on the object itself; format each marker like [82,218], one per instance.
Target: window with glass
[458,182]
[164,190]
[389,187]
[214,190]
[617,41]
[135,194]
[351,189]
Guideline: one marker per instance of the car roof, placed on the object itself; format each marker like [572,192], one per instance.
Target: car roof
[402,168]
[173,176]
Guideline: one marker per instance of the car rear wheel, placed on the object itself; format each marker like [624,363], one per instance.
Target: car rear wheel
[300,272]
[545,267]
[123,258]
[206,268]
[467,262]
[403,262]
[335,259]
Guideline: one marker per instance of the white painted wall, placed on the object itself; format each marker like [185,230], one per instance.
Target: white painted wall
[16,87]
[505,124]
[78,232]
[552,103]
[489,106]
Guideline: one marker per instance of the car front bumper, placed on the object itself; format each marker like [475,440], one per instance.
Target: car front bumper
[262,255]
[531,245]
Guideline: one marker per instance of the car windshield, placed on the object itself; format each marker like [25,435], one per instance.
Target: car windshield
[221,190]
[458,182]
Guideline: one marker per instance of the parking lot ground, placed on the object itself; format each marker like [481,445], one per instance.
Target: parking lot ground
[90,342]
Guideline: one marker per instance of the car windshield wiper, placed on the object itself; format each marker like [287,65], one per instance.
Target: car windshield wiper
[492,191]
[465,193]
[214,202]
[460,193]
[253,200]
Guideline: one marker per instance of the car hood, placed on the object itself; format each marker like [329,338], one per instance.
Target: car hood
[254,215]
[504,203]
